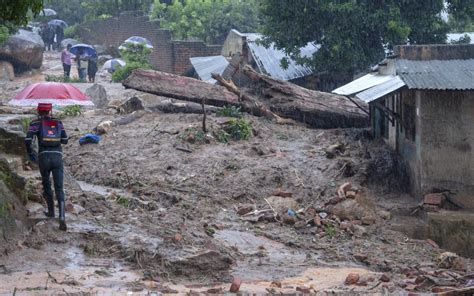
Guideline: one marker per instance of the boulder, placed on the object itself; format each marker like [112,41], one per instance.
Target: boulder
[100,49]
[348,209]
[98,95]
[6,71]
[67,41]
[24,50]
[103,58]
[131,105]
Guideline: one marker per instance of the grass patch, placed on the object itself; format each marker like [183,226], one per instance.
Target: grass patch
[193,136]
[230,111]
[60,78]
[330,230]
[123,201]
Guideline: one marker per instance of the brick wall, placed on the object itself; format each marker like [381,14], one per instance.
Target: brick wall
[167,56]
[183,50]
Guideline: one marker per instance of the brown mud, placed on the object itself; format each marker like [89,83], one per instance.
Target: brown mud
[145,217]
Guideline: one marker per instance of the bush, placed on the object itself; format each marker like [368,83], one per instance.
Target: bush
[70,32]
[230,111]
[238,129]
[72,110]
[4,34]
[135,56]
[122,73]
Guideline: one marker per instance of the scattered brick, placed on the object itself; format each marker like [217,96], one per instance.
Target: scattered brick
[352,278]
[435,199]
[235,286]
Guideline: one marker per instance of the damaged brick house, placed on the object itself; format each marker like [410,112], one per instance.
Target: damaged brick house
[244,48]
[422,104]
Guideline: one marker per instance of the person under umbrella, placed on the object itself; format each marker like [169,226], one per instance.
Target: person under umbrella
[51,135]
[91,67]
[59,37]
[80,63]
[66,61]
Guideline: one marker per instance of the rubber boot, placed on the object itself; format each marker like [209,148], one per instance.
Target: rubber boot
[62,219]
[50,212]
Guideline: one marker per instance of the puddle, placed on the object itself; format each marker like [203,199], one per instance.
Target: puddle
[263,258]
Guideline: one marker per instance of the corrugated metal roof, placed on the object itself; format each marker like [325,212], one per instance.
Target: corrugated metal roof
[205,66]
[381,90]
[437,74]
[362,83]
[455,36]
[268,59]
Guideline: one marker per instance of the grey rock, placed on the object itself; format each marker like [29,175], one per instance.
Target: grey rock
[98,95]
[24,50]
[6,71]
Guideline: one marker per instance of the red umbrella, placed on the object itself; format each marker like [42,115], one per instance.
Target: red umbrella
[50,92]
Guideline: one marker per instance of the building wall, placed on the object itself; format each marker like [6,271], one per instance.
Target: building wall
[446,151]
[233,44]
[167,56]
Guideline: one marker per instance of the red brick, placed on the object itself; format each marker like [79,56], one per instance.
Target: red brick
[235,287]
[435,199]
[352,278]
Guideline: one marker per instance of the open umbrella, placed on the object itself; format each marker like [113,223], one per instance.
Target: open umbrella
[50,92]
[138,39]
[47,12]
[56,22]
[112,64]
[85,48]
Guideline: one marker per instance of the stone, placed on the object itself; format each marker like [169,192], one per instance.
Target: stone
[287,219]
[352,278]
[368,220]
[384,278]
[317,220]
[361,257]
[103,58]
[24,50]
[450,260]
[104,127]
[282,204]
[69,207]
[245,209]
[131,105]
[358,230]
[335,200]
[98,95]
[235,286]
[385,215]
[348,209]
[345,225]
[345,187]
[67,41]
[303,289]
[351,194]
[435,199]
[13,142]
[177,238]
[6,71]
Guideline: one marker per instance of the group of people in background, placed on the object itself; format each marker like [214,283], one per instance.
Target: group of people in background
[86,65]
[52,36]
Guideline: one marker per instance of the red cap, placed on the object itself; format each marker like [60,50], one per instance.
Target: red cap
[45,106]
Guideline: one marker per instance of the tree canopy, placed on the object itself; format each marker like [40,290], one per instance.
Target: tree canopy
[208,20]
[14,13]
[354,34]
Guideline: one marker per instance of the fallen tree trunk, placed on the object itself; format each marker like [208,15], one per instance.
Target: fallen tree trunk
[318,109]
[267,97]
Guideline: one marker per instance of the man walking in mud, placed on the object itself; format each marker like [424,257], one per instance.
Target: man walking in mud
[51,134]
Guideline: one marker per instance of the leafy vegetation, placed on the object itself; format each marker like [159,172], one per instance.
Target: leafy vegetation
[72,110]
[230,111]
[236,129]
[354,34]
[25,123]
[60,78]
[135,56]
[208,20]
[123,201]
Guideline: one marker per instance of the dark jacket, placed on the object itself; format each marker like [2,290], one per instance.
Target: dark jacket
[34,130]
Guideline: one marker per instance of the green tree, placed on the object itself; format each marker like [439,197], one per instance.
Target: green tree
[208,20]
[353,34]
[14,13]
[135,56]
[461,18]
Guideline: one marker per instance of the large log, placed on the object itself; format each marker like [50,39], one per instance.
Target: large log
[266,97]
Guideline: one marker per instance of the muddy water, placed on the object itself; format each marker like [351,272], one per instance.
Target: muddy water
[263,258]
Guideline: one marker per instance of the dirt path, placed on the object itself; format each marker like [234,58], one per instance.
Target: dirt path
[146,217]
